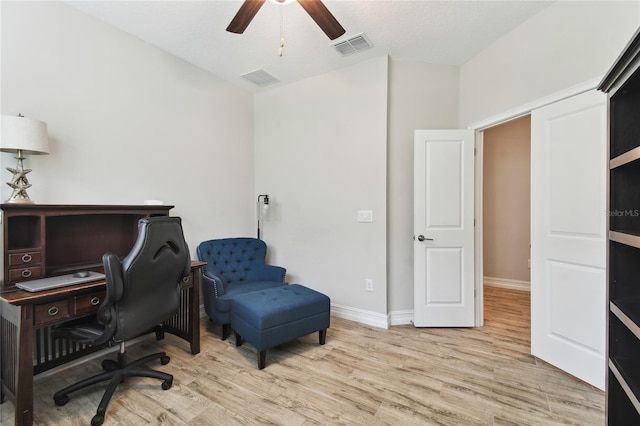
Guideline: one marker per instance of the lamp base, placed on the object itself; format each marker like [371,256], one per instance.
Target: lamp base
[19,200]
[19,182]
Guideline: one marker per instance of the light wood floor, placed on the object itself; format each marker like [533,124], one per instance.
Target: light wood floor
[362,376]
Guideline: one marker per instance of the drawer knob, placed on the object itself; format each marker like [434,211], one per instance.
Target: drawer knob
[185,279]
[26,273]
[27,258]
[95,301]
[53,311]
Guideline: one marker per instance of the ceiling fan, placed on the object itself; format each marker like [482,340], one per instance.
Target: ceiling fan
[315,8]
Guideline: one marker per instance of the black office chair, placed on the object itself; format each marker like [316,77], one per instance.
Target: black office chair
[143,291]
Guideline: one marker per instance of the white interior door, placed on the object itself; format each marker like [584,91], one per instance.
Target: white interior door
[568,235]
[444,228]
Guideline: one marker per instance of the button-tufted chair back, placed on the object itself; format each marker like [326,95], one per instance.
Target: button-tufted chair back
[232,258]
[234,266]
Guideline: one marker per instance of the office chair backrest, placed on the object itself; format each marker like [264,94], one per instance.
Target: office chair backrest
[144,289]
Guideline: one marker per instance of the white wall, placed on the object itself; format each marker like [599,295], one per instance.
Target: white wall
[566,44]
[321,155]
[421,96]
[127,121]
[325,147]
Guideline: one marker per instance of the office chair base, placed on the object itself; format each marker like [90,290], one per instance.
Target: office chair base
[112,365]
[115,373]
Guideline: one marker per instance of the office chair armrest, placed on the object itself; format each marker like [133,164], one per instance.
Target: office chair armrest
[266,273]
[213,282]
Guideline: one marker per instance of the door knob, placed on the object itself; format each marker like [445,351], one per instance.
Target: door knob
[422,238]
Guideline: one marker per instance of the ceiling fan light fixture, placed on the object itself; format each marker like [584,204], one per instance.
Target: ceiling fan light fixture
[315,8]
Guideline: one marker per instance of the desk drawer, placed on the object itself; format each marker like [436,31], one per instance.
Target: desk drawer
[26,273]
[51,312]
[25,258]
[88,304]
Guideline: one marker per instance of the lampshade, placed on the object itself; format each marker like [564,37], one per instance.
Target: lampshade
[26,134]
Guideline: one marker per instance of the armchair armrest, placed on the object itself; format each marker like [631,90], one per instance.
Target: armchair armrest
[267,273]
[213,283]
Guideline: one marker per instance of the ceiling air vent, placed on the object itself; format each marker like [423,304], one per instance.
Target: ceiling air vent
[352,45]
[260,78]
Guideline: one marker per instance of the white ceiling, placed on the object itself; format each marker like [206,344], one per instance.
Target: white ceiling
[439,32]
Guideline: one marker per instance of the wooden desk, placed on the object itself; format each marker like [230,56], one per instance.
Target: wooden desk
[26,347]
[47,240]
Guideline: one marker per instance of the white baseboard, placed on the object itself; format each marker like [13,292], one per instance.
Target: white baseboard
[401,317]
[373,319]
[507,283]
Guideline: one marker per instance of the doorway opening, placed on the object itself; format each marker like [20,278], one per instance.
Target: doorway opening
[506,213]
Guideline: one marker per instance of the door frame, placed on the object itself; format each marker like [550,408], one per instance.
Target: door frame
[479,127]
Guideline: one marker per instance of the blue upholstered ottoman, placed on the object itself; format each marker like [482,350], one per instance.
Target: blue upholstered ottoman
[270,317]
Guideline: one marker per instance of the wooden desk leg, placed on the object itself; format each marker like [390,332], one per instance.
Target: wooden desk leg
[17,359]
[195,311]
[24,394]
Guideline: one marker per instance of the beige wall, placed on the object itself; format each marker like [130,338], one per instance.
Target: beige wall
[506,200]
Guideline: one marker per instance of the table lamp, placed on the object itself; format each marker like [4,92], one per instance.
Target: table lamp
[22,136]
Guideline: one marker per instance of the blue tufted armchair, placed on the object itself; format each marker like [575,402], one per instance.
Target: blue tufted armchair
[234,266]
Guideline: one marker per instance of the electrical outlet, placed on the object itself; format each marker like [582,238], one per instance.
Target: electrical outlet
[368,283]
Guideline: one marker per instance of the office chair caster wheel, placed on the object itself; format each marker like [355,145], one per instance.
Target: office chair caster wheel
[167,384]
[159,334]
[165,360]
[61,400]
[109,365]
[97,420]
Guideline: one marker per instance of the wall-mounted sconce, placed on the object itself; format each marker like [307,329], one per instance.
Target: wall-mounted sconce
[263,201]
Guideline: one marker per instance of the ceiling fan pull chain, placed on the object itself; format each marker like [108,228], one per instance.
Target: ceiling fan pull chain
[281,32]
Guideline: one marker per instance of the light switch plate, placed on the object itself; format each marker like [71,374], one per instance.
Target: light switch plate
[365,216]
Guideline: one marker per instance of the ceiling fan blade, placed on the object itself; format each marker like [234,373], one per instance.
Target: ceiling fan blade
[325,20]
[245,14]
